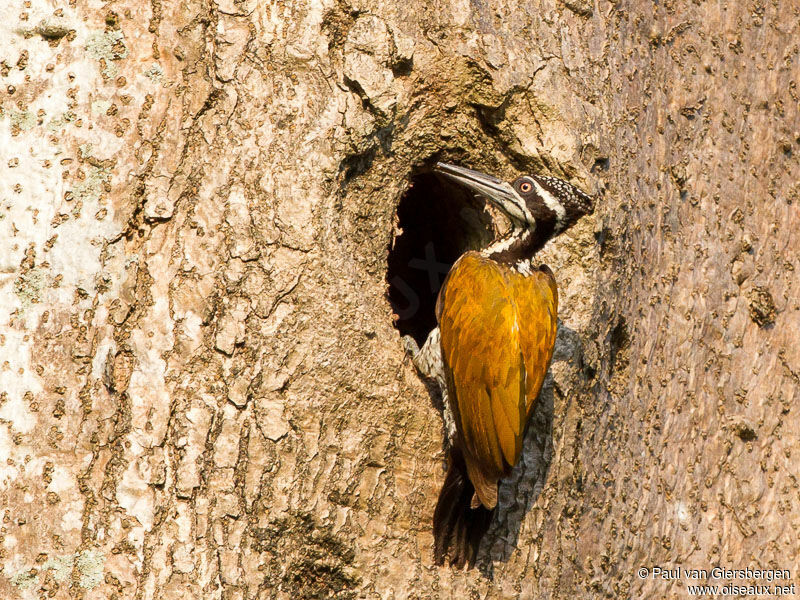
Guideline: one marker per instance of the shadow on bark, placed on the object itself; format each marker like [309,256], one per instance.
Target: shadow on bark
[519,491]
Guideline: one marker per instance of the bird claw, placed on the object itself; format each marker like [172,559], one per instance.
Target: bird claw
[410,346]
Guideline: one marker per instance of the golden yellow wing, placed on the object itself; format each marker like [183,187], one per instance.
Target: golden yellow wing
[497,333]
[537,302]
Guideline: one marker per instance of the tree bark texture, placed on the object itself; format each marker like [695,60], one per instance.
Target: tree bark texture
[203,393]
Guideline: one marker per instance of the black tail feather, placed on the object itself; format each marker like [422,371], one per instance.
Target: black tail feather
[458,528]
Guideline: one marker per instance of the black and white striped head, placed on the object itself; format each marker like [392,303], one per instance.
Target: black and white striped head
[541,206]
[553,203]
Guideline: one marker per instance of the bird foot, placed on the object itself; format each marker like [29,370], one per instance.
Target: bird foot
[410,346]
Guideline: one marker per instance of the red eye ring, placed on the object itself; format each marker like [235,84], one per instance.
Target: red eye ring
[525,187]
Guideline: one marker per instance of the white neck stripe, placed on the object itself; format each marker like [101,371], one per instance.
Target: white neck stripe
[505,243]
[552,203]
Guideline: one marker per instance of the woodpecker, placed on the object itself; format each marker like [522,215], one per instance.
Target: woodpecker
[497,317]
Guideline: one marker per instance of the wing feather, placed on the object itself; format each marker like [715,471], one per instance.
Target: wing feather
[537,298]
[497,332]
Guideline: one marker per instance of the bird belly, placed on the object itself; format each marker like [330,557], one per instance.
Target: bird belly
[429,362]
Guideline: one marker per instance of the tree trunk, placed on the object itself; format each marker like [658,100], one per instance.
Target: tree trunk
[217,219]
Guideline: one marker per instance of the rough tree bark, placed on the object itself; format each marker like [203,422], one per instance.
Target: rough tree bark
[202,390]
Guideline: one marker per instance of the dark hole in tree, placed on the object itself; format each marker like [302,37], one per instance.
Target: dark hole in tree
[439,221]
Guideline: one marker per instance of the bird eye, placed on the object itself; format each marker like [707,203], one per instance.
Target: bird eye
[525,187]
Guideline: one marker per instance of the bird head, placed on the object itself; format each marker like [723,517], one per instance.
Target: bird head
[545,205]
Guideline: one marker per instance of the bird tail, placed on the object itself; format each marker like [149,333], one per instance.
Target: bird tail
[457,527]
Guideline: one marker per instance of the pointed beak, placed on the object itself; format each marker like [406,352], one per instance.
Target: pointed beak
[498,192]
